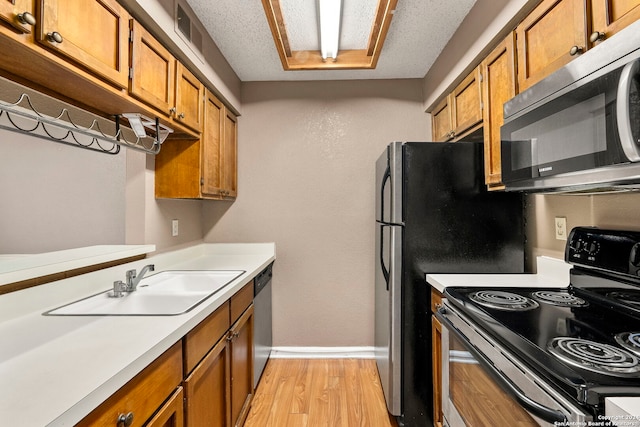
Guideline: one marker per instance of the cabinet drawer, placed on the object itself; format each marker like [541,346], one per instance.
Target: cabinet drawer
[241,300]
[203,337]
[144,394]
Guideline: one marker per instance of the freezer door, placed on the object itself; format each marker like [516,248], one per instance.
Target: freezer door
[387,313]
[389,185]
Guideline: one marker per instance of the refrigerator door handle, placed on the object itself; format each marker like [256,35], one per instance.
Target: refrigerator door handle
[385,271]
[385,179]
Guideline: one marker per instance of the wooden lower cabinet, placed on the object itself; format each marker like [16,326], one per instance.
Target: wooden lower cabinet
[144,395]
[241,349]
[219,365]
[171,414]
[208,389]
[436,356]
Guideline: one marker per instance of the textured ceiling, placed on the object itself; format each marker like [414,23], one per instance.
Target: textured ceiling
[419,31]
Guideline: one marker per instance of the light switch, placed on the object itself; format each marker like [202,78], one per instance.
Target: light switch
[174,227]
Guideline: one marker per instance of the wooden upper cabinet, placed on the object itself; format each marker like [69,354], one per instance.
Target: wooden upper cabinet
[213,145]
[93,33]
[460,111]
[441,121]
[610,16]
[466,103]
[548,38]
[188,99]
[18,13]
[230,157]
[153,70]
[498,86]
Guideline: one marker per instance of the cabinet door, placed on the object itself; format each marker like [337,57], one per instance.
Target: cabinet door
[547,37]
[466,103]
[241,339]
[499,85]
[436,357]
[230,157]
[93,33]
[441,121]
[208,389]
[212,140]
[610,16]
[171,414]
[11,12]
[153,70]
[189,95]
[141,397]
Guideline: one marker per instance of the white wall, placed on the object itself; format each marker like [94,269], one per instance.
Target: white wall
[54,196]
[306,181]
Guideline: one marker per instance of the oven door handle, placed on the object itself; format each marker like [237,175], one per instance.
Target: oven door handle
[547,414]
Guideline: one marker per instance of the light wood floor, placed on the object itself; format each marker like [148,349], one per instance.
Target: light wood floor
[319,392]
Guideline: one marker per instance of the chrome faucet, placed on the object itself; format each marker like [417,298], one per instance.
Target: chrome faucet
[133,279]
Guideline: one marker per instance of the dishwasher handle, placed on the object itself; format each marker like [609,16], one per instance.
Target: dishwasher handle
[547,414]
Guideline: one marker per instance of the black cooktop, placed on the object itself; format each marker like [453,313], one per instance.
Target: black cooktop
[575,338]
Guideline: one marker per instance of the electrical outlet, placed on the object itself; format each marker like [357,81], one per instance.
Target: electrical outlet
[561,228]
[174,227]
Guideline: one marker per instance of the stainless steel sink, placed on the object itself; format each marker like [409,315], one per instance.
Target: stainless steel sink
[167,293]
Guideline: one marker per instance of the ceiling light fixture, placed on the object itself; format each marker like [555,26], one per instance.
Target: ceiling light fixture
[329,12]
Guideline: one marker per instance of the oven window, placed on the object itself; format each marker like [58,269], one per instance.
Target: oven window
[477,398]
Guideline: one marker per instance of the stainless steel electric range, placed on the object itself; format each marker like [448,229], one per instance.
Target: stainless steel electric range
[518,356]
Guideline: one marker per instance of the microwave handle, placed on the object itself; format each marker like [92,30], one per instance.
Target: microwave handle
[549,415]
[623,116]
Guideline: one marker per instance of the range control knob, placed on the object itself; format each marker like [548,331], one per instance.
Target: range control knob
[592,248]
[576,245]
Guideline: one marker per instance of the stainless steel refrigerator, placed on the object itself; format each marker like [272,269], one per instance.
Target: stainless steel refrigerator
[433,215]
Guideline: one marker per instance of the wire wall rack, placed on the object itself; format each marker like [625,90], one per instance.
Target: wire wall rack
[76,127]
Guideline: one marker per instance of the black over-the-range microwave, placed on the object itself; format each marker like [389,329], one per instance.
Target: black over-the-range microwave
[579,128]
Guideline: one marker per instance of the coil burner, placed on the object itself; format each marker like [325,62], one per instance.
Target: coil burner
[630,341]
[500,300]
[593,356]
[559,298]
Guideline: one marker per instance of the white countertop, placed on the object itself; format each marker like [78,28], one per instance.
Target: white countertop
[19,267]
[552,273]
[56,369]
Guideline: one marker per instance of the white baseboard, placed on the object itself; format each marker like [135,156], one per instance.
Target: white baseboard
[322,353]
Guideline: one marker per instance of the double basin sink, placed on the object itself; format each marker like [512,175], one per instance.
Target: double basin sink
[167,293]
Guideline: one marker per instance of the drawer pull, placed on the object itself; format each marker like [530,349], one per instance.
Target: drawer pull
[26,18]
[125,420]
[575,50]
[54,37]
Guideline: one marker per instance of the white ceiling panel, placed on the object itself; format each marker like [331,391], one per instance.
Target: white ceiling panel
[419,31]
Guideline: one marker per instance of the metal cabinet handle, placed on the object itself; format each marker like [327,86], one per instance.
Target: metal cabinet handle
[125,420]
[181,115]
[576,50]
[26,18]
[596,35]
[172,110]
[54,37]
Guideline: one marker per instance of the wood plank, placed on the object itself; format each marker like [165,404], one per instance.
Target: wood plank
[319,392]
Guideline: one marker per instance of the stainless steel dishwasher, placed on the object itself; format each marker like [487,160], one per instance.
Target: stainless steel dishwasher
[263,335]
